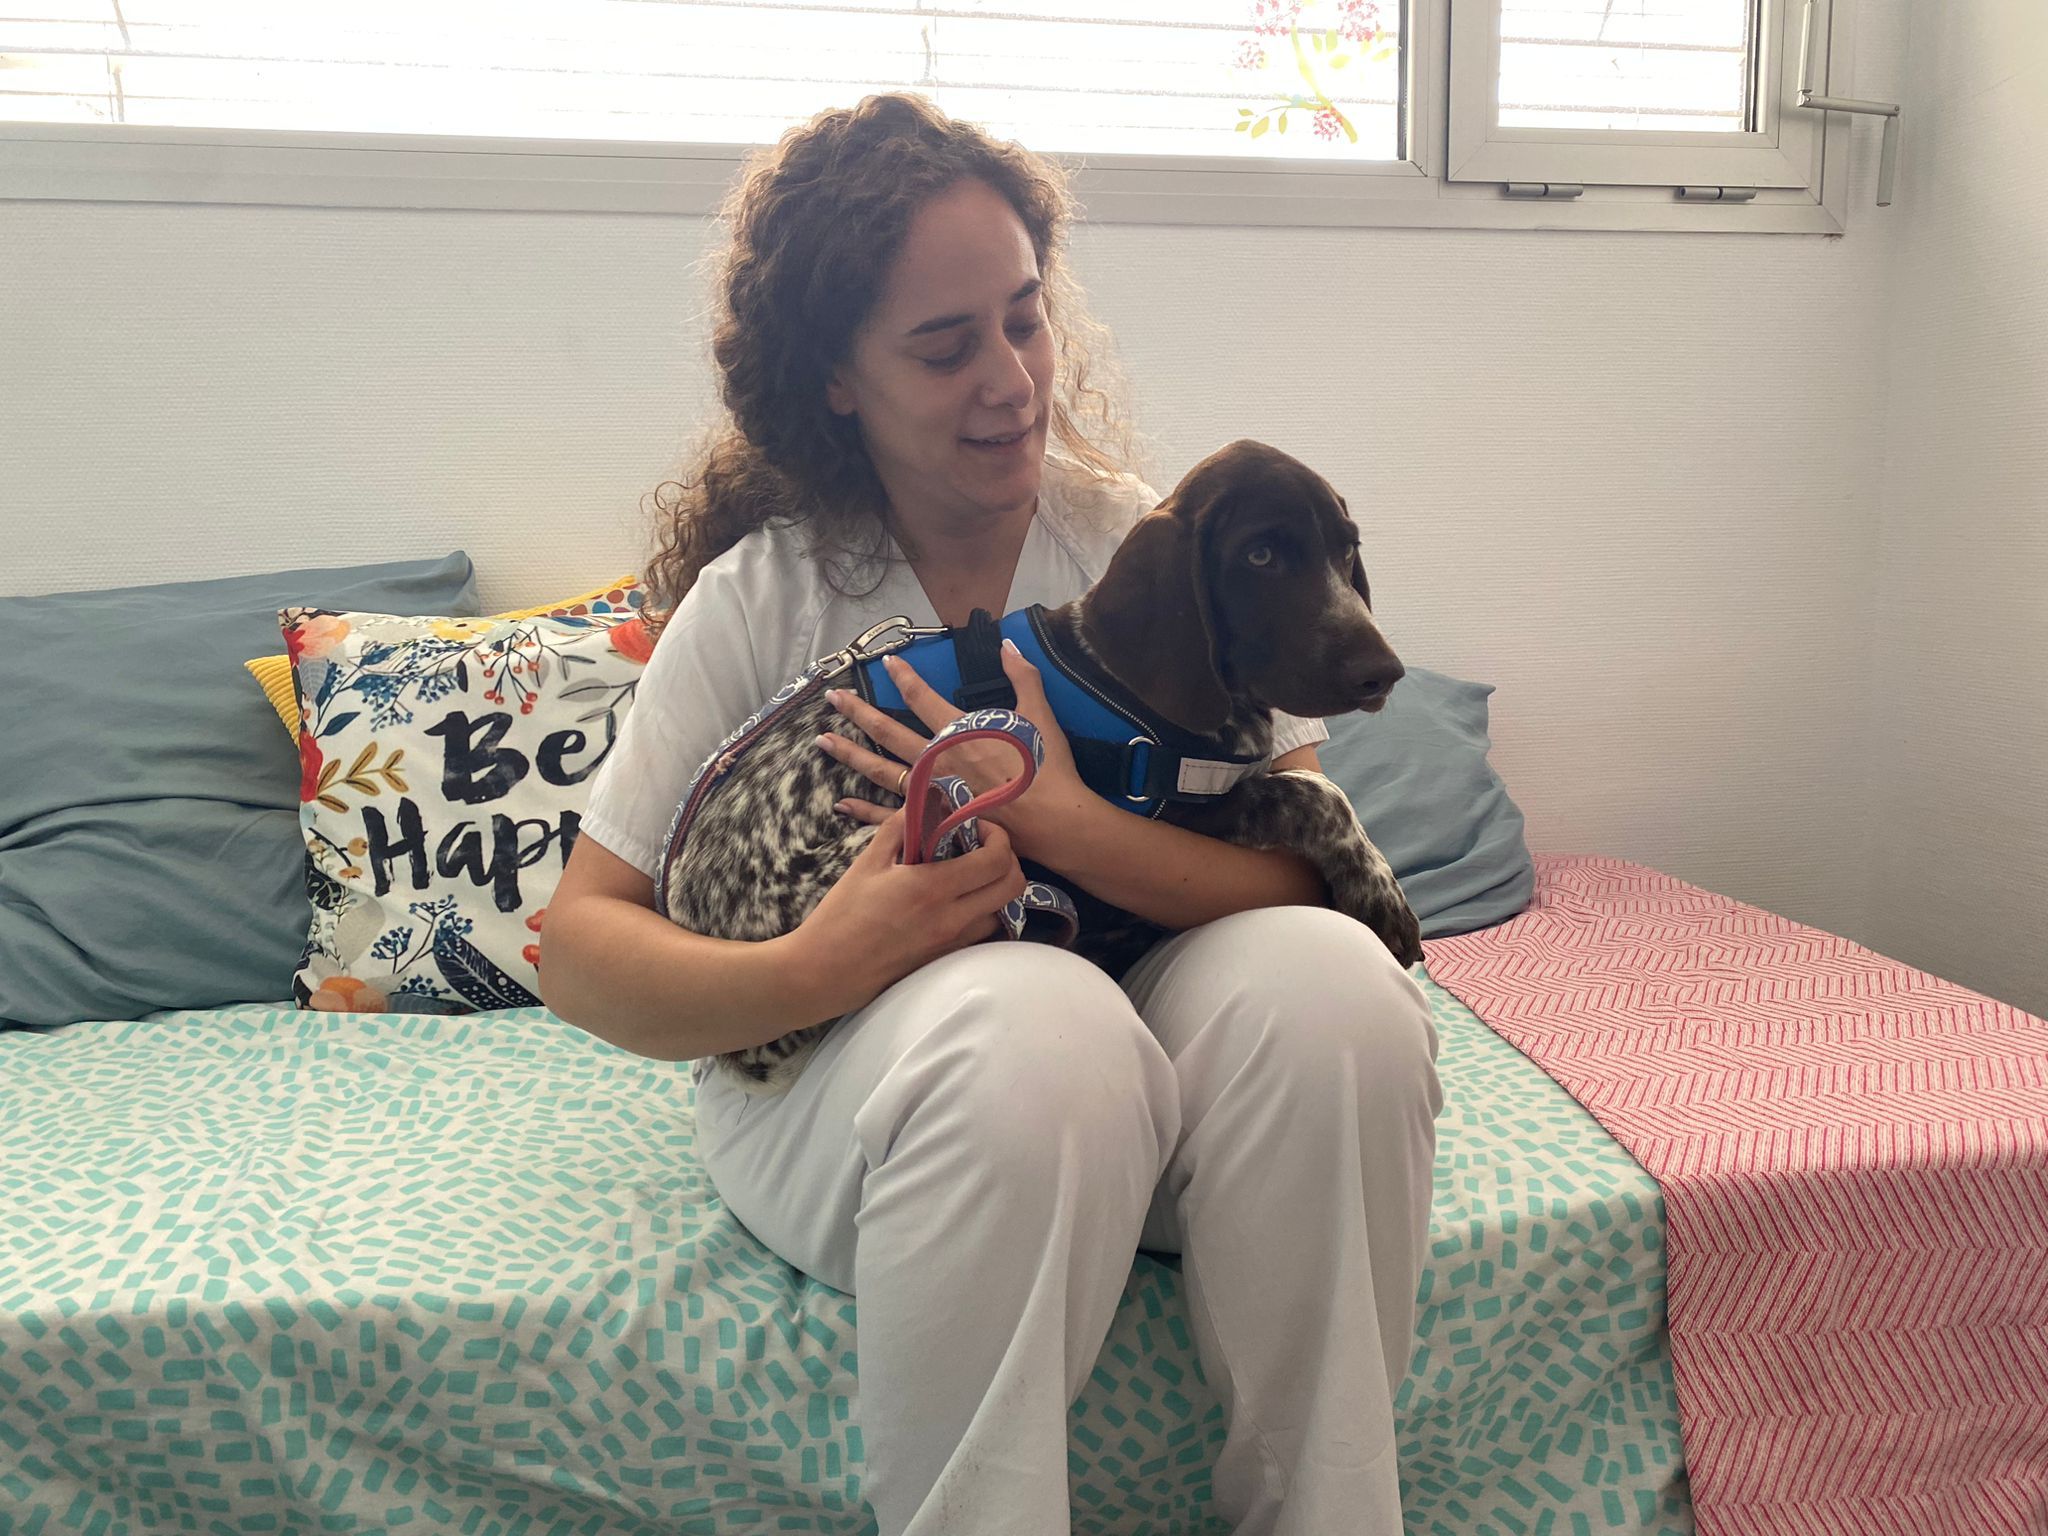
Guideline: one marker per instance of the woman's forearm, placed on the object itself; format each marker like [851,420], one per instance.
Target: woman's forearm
[1169,875]
[631,977]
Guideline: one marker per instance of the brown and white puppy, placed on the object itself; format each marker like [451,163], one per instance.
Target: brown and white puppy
[1241,594]
[1244,592]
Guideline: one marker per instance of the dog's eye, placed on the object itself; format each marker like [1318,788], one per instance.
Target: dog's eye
[1259,556]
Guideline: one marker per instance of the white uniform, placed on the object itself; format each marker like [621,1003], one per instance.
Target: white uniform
[977,1153]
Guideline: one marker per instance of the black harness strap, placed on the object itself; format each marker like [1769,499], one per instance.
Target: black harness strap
[978,648]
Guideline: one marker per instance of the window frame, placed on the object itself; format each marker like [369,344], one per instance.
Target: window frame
[132,163]
[1784,151]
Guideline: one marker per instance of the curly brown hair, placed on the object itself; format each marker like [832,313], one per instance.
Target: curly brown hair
[815,222]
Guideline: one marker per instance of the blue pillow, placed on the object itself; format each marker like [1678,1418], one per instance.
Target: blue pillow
[1418,777]
[150,852]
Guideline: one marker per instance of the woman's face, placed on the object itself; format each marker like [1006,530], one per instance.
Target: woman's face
[951,375]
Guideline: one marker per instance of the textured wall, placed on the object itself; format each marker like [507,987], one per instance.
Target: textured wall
[1959,644]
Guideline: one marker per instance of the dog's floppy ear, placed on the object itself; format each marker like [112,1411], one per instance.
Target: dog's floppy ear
[1152,623]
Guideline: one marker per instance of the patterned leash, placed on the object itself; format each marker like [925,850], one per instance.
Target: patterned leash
[941,814]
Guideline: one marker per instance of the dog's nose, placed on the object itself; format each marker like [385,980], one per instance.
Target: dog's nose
[1377,682]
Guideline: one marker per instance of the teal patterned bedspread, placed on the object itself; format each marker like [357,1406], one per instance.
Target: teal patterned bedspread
[272,1271]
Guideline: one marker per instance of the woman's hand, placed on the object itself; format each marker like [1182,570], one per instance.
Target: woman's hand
[1035,820]
[881,920]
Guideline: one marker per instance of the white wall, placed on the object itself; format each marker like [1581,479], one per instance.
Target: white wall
[1632,479]
[1589,475]
[1959,653]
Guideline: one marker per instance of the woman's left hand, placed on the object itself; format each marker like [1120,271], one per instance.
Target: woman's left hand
[1033,820]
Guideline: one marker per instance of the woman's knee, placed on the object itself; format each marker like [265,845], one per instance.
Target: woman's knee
[1320,990]
[1033,1047]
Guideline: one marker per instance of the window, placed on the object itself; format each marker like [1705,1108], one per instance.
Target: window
[1204,111]
[1631,92]
[1119,77]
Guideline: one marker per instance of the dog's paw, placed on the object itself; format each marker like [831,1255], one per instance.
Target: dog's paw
[1398,930]
[1401,934]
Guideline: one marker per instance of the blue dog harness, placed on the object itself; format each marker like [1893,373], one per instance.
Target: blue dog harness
[1122,751]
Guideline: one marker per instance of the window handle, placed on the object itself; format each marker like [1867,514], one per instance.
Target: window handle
[1888,156]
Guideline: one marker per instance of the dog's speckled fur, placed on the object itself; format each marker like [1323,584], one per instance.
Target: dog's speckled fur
[768,843]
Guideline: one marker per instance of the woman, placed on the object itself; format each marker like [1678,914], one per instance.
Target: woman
[991,1130]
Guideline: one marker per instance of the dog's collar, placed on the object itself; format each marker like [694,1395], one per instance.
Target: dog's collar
[1124,752]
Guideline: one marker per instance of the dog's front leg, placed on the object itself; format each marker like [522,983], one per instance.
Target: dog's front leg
[1304,813]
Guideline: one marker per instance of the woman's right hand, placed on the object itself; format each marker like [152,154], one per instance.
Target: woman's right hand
[882,920]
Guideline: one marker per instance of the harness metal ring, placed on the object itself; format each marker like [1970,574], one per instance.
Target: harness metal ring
[1138,741]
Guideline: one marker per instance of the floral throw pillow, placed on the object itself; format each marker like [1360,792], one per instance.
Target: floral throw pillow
[445,764]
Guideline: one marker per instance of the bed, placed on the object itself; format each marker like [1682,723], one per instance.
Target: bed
[269,1269]
[402,1250]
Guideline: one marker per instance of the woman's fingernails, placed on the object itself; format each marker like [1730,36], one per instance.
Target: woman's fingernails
[826,740]
[1011,646]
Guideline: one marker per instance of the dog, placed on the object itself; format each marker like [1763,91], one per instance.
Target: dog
[1242,593]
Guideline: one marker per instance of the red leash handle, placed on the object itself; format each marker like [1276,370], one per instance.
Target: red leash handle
[920,835]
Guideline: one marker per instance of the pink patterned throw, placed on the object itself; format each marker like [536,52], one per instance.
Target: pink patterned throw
[1854,1160]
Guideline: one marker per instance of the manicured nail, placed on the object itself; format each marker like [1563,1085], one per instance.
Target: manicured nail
[1011,646]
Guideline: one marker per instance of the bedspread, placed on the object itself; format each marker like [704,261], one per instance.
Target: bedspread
[271,1271]
[1854,1161]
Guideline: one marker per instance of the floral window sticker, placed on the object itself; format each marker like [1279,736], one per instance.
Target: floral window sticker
[1303,46]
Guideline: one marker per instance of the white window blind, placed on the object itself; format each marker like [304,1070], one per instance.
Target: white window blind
[1644,64]
[1309,80]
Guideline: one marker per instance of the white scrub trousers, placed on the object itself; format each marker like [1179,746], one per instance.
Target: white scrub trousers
[977,1154]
